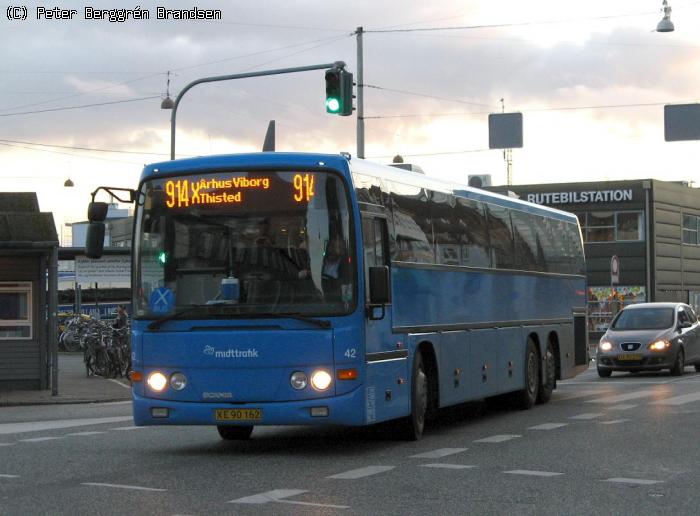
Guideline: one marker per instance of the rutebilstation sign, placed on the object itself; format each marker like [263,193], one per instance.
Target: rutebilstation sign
[583,197]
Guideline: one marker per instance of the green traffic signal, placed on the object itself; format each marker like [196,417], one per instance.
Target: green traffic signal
[162,257]
[338,92]
[332,105]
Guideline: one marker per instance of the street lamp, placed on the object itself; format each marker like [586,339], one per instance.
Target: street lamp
[665,25]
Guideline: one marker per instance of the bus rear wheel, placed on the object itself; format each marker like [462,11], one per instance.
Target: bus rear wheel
[411,428]
[549,376]
[526,398]
[235,433]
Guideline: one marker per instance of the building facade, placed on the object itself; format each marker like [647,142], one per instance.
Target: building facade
[653,227]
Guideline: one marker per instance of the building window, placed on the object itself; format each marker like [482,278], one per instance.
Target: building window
[612,226]
[690,230]
[15,310]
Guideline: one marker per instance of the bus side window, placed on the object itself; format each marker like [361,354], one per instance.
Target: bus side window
[375,244]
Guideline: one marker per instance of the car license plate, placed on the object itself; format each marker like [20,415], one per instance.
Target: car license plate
[249,414]
[629,356]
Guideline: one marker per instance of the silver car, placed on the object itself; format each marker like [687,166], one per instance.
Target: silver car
[650,337]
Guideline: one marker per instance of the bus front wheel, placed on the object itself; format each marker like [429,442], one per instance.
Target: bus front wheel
[411,427]
[235,433]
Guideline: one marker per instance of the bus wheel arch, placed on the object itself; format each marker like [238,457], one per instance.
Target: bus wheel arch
[431,370]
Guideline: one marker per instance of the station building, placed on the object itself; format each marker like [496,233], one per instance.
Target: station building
[652,226]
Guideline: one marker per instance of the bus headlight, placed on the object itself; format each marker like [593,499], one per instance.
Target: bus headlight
[157,381]
[321,380]
[298,380]
[178,381]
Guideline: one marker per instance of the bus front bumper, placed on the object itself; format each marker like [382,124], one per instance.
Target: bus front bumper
[346,410]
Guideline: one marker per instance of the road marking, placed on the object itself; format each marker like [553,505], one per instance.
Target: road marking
[548,426]
[497,438]
[587,415]
[278,495]
[86,433]
[7,444]
[678,400]
[437,454]
[37,426]
[636,481]
[122,486]
[8,476]
[579,394]
[39,439]
[120,383]
[624,397]
[622,406]
[362,472]
[447,466]
[613,422]
[533,473]
[124,428]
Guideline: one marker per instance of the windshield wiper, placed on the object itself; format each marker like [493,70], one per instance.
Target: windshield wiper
[175,315]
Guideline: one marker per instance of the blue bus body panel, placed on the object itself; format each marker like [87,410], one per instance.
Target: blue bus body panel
[425,297]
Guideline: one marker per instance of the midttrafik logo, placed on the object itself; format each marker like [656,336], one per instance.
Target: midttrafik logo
[231,353]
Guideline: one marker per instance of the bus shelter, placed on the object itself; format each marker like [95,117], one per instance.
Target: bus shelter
[28,294]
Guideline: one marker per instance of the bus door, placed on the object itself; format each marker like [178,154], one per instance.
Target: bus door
[385,353]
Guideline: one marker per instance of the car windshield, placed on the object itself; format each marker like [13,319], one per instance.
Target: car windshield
[268,242]
[653,318]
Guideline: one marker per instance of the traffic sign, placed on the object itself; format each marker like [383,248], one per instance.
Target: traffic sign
[614,270]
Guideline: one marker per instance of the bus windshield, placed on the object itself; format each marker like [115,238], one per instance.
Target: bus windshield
[259,242]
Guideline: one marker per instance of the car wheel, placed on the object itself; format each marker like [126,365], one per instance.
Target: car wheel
[679,364]
[549,376]
[235,433]
[411,428]
[604,373]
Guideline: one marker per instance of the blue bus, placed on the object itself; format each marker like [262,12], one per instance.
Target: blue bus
[312,289]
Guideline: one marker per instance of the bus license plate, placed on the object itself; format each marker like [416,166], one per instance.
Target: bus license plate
[251,414]
[629,356]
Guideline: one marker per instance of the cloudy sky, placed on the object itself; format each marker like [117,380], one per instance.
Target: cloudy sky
[80,99]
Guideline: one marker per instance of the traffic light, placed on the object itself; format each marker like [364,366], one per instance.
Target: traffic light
[338,92]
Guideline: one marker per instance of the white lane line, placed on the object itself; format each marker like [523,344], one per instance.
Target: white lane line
[86,433]
[624,397]
[587,415]
[497,438]
[120,383]
[678,400]
[533,473]
[439,453]
[8,476]
[548,426]
[312,504]
[39,439]
[635,481]
[622,406]
[269,496]
[122,486]
[37,426]
[573,396]
[613,422]
[7,444]
[362,472]
[125,428]
[447,466]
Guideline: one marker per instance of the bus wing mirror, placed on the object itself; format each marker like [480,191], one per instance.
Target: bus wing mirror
[94,241]
[379,289]
[97,211]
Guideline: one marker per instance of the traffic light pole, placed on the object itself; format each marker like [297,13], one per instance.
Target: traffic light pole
[339,64]
[360,98]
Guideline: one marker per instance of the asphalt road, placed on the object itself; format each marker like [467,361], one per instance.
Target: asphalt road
[624,445]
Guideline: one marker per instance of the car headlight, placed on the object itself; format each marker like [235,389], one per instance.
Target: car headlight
[660,345]
[157,381]
[605,346]
[321,380]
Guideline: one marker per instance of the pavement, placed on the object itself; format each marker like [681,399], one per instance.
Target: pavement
[73,387]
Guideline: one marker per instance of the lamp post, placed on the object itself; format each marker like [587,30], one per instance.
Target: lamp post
[338,64]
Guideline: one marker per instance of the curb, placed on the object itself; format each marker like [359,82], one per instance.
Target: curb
[77,401]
